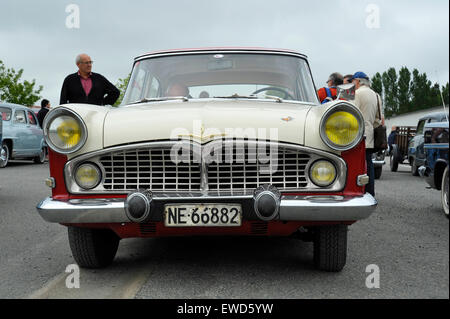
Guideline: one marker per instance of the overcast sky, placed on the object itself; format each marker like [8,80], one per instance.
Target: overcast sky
[344,36]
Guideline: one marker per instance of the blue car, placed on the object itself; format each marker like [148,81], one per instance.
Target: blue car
[416,151]
[22,136]
[435,170]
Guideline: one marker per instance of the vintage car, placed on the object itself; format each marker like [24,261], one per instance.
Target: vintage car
[416,151]
[23,138]
[435,168]
[209,142]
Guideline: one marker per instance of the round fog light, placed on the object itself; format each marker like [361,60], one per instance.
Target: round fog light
[322,173]
[87,176]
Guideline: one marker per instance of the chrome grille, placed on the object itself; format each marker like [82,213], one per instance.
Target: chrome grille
[250,168]
[202,171]
[149,168]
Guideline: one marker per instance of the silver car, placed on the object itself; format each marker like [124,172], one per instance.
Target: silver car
[22,136]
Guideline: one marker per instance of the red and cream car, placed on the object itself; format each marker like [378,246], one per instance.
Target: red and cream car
[217,141]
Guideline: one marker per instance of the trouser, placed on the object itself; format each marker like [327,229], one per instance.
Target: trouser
[370,188]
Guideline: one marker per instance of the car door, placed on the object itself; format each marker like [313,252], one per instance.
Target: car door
[34,132]
[19,133]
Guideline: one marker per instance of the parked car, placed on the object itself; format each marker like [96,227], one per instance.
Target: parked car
[416,152]
[399,152]
[22,136]
[209,142]
[435,168]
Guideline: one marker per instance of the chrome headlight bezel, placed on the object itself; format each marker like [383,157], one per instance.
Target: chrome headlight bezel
[63,111]
[343,107]
[96,168]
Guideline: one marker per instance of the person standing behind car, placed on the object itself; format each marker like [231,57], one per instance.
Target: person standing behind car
[329,93]
[85,86]
[45,107]
[367,101]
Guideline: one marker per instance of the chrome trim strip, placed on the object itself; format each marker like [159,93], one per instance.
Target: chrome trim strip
[196,147]
[292,208]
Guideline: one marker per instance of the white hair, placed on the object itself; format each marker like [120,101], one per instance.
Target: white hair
[78,58]
[365,82]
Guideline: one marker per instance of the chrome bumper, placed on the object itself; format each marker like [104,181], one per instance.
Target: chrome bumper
[378,163]
[292,208]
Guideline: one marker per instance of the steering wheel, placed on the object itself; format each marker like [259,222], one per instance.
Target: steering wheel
[273,88]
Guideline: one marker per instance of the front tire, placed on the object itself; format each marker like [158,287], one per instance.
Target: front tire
[444,191]
[93,248]
[4,155]
[330,247]
[414,168]
[40,159]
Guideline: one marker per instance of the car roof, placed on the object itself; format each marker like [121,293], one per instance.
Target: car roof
[220,49]
[434,115]
[12,105]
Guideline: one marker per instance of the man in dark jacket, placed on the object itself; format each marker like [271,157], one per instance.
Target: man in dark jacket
[45,106]
[87,87]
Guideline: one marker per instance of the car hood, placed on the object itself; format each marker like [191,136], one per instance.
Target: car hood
[205,120]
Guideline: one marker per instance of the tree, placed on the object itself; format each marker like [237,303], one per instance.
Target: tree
[12,90]
[389,80]
[419,90]
[377,84]
[445,93]
[122,86]
[404,100]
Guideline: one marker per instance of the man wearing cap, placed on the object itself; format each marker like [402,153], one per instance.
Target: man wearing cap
[329,93]
[367,100]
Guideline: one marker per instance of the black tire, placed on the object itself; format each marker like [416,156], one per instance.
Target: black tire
[444,191]
[40,159]
[394,163]
[414,168]
[5,155]
[93,248]
[378,171]
[330,247]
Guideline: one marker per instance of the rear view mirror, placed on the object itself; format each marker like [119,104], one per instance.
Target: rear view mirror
[346,91]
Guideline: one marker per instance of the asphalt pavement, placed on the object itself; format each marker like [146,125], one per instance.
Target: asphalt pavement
[407,239]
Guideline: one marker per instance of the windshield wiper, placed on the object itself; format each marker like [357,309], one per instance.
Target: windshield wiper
[163,98]
[237,96]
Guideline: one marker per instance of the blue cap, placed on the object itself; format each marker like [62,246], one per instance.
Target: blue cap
[360,75]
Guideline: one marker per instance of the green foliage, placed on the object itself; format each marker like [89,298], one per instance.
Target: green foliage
[407,92]
[122,86]
[389,80]
[13,90]
[377,84]
[404,100]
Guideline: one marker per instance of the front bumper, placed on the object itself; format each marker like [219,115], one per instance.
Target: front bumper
[292,208]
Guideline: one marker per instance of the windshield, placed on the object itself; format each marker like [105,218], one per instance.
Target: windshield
[221,75]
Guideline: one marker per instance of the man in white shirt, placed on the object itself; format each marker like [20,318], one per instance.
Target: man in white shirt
[368,101]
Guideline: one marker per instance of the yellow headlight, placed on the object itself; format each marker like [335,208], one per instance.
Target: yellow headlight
[322,173]
[341,128]
[69,132]
[87,176]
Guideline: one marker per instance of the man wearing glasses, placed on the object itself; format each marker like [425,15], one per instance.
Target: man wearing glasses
[85,86]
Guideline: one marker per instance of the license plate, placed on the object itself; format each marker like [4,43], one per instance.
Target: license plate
[209,215]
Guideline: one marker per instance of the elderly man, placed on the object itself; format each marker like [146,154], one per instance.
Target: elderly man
[329,93]
[368,102]
[85,86]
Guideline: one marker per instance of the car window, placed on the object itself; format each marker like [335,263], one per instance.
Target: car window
[6,113]
[420,127]
[31,118]
[19,117]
